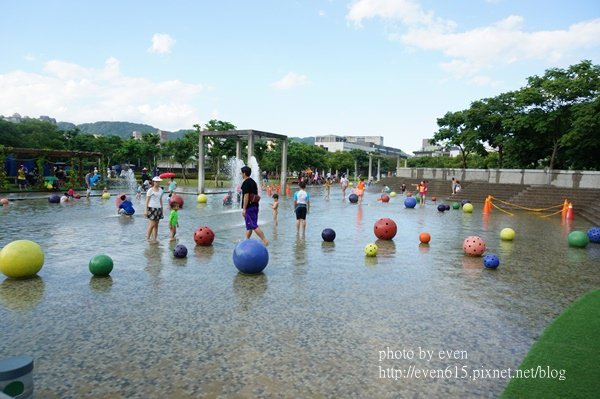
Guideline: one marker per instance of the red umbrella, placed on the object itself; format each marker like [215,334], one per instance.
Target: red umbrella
[166,175]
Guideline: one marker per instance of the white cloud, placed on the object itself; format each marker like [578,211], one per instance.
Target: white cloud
[322,13]
[408,12]
[70,92]
[291,80]
[161,43]
[471,51]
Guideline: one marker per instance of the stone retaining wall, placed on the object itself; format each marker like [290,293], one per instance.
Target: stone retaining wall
[557,178]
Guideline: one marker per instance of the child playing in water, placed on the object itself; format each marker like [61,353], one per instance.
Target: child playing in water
[125,207]
[327,187]
[172,186]
[138,194]
[174,219]
[274,207]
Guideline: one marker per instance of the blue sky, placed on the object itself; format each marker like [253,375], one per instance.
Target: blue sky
[300,68]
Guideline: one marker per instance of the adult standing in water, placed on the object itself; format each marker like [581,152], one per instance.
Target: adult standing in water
[250,199]
[154,208]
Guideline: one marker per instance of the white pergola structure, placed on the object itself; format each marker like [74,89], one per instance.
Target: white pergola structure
[240,135]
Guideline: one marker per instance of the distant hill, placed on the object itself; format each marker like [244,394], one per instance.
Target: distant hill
[305,140]
[121,129]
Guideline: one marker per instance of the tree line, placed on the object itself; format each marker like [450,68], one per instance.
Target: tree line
[552,122]
[33,133]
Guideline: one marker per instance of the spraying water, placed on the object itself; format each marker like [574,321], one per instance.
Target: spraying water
[256,175]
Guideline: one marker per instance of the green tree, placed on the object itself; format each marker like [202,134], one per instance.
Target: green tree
[548,103]
[454,130]
[340,161]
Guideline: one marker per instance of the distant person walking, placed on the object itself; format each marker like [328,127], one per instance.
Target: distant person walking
[250,199]
[344,184]
[154,208]
[453,185]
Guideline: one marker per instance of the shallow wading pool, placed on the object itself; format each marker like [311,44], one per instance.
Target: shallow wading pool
[322,321]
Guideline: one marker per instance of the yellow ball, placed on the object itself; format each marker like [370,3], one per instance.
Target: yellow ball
[21,259]
[467,208]
[350,184]
[393,194]
[202,198]
[507,234]
[105,195]
[371,250]
[49,186]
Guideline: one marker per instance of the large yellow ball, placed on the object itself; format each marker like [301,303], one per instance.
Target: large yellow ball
[21,259]
[393,194]
[202,198]
[467,208]
[105,195]
[507,234]
[350,184]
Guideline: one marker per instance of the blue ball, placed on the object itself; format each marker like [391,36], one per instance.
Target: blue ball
[410,202]
[328,235]
[180,251]
[441,207]
[491,261]
[594,234]
[353,198]
[447,207]
[465,201]
[54,199]
[250,256]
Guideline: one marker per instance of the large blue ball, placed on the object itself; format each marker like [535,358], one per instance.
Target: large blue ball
[594,234]
[447,207]
[465,201]
[54,199]
[328,235]
[353,198]
[491,261]
[410,202]
[441,207]
[180,251]
[250,256]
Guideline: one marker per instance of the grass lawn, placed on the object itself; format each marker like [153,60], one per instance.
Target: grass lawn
[571,343]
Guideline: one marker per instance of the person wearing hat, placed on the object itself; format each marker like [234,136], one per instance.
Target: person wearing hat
[145,178]
[154,208]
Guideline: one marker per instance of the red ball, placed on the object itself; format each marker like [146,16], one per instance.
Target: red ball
[474,246]
[204,236]
[424,238]
[176,198]
[385,198]
[385,229]
[433,199]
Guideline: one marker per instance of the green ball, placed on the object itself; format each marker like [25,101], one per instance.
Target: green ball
[507,234]
[578,239]
[467,208]
[21,259]
[456,205]
[371,250]
[101,265]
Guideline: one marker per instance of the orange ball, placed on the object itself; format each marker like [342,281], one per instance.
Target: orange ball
[424,238]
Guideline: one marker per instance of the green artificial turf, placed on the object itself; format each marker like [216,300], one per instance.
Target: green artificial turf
[571,343]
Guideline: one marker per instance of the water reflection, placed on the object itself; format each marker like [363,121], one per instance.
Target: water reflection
[371,261]
[423,248]
[153,255]
[327,247]
[101,284]
[21,295]
[249,289]
[386,248]
[204,253]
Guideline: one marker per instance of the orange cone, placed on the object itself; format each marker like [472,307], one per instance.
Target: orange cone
[570,212]
[288,191]
[565,208]
[487,207]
